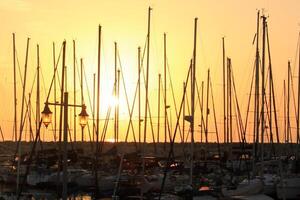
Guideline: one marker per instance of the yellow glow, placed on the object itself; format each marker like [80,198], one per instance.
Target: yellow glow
[111,140]
[125,22]
[113,101]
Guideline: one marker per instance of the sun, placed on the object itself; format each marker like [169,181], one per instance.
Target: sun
[113,101]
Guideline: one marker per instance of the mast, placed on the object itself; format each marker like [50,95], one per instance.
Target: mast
[288,103]
[224,90]
[98,109]
[207,108]
[256,99]
[139,93]
[118,97]
[37,92]
[201,108]
[158,108]
[74,84]
[115,95]
[64,134]
[146,95]
[298,107]
[272,93]
[183,113]
[193,82]
[22,113]
[263,88]
[285,111]
[229,99]
[15,89]
[93,114]
[165,90]
[81,90]
[54,66]
[24,88]
[147,75]
[29,119]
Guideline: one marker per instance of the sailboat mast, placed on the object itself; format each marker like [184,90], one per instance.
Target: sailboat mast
[115,94]
[298,107]
[15,89]
[256,99]
[81,94]
[288,103]
[263,87]
[201,108]
[165,88]
[224,90]
[37,91]
[183,114]
[98,111]
[23,93]
[158,108]
[193,82]
[285,111]
[54,66]
[229,98]
[207,108]
[94,95]
[147,75]
[118,100]
[139,93]
[74,84]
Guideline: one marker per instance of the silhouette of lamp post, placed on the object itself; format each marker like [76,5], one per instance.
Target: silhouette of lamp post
[47,119]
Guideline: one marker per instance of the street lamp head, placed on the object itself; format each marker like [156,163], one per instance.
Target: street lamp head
[46,115]
[83,117]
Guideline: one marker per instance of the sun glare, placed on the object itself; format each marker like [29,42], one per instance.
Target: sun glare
[110,140]
[113,101]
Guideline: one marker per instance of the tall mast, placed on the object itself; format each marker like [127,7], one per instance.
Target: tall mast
[118,97]
[272,93]
[146,94]
[229,99]
[147,75]
[21,119]
[224,90]
[256,100]
[115,95]
[207,108]
[24,88]
[81,94]
[158,108]
[183,113]
[15,89]
[94,95]
[139,93]
[298,108]
[201,108]
[54,66]
[288,103]
[263,88]
[285,111]
[193,82]
[29,118]
[37,92]
[98,109]
[165,88]
[64,134]
[74,84]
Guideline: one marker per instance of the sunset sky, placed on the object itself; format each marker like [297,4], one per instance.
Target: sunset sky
[125,22]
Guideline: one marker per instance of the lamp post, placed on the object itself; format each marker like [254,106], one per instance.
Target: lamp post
[47,119]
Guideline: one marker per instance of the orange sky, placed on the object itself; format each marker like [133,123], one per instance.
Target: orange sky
[126,23]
